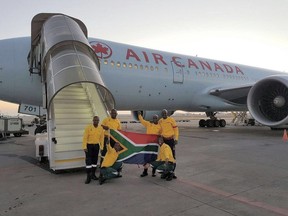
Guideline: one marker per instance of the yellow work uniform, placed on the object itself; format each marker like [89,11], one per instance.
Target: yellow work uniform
[93,135]
[169,128]
[112,124]
[110,157]
[151,128]
[165,152]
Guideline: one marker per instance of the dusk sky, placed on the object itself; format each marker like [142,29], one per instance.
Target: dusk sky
[246,32]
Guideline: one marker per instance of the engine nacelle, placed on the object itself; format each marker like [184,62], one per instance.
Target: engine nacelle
[148,115]
[268,101]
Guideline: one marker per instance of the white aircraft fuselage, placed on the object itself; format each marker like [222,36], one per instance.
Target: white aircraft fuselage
[138,78]
[143,79]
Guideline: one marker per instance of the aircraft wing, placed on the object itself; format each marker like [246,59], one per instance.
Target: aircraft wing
[235,95]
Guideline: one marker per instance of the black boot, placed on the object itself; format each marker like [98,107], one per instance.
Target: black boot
[93,176]
[88,179]
[145,173]
[164,175]
[102,179]
[169,176]
[153,172]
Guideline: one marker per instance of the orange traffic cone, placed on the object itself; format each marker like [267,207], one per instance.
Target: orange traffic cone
[285,138]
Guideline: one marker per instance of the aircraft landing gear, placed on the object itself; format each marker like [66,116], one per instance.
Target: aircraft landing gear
[212,122]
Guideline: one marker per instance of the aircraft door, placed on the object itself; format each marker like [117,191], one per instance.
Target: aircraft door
[178,72]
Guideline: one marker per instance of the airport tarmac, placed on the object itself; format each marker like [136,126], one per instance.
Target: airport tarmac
[236,170]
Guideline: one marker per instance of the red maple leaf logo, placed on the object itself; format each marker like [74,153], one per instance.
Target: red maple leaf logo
[102,50]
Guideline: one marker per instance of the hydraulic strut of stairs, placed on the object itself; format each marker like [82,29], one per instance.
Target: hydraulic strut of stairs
[73,91]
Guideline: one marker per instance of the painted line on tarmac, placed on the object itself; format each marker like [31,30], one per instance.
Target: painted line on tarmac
[278,210]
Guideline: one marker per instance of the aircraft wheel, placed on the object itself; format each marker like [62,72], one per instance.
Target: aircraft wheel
[202,123]
[222,123]
[210,123]
[216,123]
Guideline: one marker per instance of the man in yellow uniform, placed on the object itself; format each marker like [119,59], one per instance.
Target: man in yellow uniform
[110,168]
[169,131]
[165,161]
[93,140]
[151,128]
[111,122]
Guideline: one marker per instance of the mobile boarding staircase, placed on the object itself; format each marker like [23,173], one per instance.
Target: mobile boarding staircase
[73,91]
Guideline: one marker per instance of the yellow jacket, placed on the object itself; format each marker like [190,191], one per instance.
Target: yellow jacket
[151,128]
[112,124]
[93,135]
[165,152]
[169,128]
[110,157]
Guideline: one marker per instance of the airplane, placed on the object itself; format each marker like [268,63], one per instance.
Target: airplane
[47,70]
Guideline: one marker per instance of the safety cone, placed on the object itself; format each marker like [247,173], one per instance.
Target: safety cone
[285,138]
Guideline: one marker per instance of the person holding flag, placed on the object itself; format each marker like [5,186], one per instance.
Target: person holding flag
[151,128]
[110,167]
[111,122]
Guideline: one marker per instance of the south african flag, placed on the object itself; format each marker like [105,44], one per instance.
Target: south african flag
[137,148]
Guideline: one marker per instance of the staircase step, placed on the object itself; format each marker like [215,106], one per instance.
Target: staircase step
[70,147]
[71,106]
[75,96]
[72,121]
[70,127]
[74,111]
[70,155]
[74,115]
[69,133]
[71,100]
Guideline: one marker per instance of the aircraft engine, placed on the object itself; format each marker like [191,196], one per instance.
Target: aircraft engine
[148,115]
[268,101]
